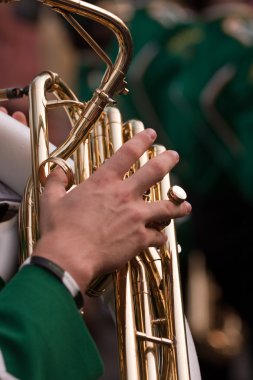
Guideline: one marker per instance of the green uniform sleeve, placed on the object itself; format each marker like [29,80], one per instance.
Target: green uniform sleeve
[42,335]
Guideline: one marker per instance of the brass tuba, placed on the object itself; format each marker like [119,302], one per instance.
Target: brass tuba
[149,312]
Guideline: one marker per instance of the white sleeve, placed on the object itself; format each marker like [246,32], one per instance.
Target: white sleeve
[4,375]
[193,358]
[9,245]
[15,153]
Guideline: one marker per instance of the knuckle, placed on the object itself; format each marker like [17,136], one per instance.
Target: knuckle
[164,162]
[159,165]
[97,177]
[159,239]
[131,149]
[136,215]
[100,178]
[124,193]
[169,208]
[155,238]
[143,237]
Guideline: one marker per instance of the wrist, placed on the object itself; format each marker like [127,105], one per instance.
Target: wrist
[52,247]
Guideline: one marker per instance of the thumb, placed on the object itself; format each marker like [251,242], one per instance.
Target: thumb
[54,189]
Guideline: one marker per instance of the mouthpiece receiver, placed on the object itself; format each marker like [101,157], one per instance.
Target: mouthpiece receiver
[13,93]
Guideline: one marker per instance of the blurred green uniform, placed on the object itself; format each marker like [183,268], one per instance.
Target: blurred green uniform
[206,111]
[201,87]
[151,68]
[206,107]
[184,84]
[149,26]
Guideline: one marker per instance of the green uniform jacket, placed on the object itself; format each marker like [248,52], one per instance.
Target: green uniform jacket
[42,335]
[206,110]
[201,87]
[148,26]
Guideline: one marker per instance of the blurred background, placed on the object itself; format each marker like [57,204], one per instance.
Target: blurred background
[191,79]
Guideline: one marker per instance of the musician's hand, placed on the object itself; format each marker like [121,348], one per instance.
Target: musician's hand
[102,223]
[18,115]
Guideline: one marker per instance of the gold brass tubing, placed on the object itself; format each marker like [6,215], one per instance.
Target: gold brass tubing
[144,317]
[159,321]
[63,103]
[112,22]
[27,223]
[85,35]
[39,132]
[114,84]
[100,142]
[114,125]
[39,151]
[178,314]
[161,300]
[3,94]
[154,339]
[82,162]
[148,270]
[126,326]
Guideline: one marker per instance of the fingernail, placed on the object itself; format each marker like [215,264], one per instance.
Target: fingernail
[188,207]
[151,133]
[175,154]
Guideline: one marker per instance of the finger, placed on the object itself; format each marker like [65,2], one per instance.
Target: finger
[129,153]
[54,187]
[54,190]
[155,238]
[165,210]
[153,171]
[4,110]
[20,116]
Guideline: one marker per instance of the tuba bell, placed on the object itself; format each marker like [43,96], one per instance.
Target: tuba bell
[153,336]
